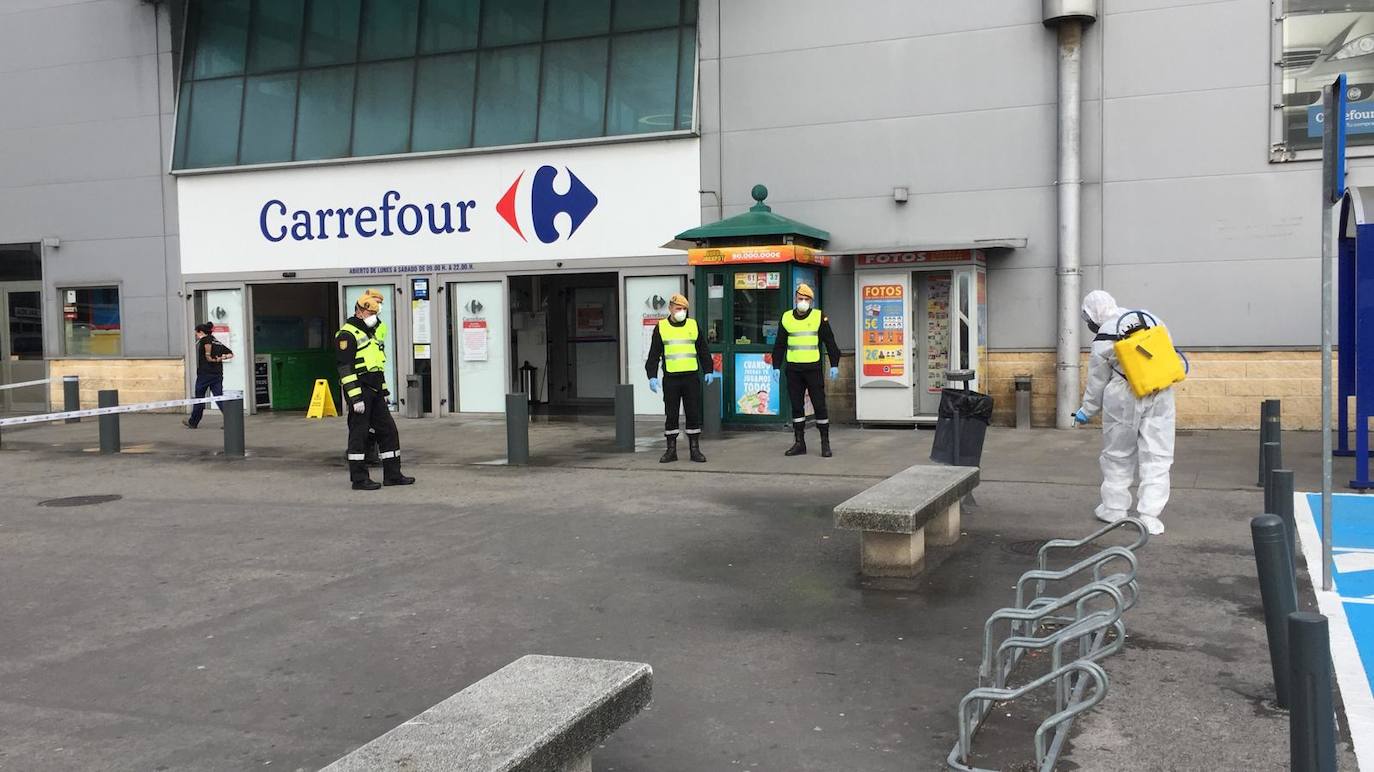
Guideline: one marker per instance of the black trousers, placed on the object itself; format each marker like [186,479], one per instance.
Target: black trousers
[803,381]
[681,391]
[376,416]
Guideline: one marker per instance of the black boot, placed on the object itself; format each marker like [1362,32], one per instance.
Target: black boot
[366,485]
[799,442]
[694,442]
[825,440]
[357,472]
[391,473]
[670,454]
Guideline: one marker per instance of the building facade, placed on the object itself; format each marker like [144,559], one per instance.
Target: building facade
[512,175]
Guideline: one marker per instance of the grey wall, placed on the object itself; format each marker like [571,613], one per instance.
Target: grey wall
[832,106]
[86,122]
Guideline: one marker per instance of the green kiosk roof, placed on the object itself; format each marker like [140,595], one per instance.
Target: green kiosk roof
[758,221]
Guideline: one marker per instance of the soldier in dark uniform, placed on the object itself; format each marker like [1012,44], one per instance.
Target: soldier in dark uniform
[362,366]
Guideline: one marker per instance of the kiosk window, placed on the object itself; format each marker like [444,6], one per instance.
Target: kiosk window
[715,308]
[756,316]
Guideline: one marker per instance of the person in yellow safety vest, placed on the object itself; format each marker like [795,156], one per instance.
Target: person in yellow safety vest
[799,340]
[379,334]
[362,366]
[678,343]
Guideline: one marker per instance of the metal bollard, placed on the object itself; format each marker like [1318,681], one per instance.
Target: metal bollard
[1272,459]
[71,396]
[1269,423]
[1023,402]
[233,426]
[1281,491]
[625,418]
[710,407]
[1279,594]
[517,429]
[1312,722]
[109,424]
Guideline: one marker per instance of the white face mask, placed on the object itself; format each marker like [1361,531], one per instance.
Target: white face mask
[679,316]
[803,306]
[371,321]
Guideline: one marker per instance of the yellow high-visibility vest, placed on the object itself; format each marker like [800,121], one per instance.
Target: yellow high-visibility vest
[679,346]
[368,357]
[803,337]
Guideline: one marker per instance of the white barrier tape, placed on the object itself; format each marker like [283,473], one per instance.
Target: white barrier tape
[98,411]
[24,383]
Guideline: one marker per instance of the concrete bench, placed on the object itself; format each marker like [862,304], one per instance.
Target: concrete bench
[537,714]
[899,515]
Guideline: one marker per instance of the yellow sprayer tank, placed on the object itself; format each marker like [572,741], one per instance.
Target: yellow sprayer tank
[1147,357]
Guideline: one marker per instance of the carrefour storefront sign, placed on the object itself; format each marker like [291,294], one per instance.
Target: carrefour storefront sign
[597,202]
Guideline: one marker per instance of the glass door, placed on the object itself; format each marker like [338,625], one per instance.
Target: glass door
[646,298]
[752,315]
[944,319]
[21,346]
[478,323]
[390,344]
[225,309]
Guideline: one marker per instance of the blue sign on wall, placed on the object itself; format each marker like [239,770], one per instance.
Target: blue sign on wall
[1359,119]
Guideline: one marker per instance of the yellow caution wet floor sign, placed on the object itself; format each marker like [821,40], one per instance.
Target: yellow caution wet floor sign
[321,401]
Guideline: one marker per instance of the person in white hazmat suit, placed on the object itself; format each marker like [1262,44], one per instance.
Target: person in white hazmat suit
[1137,432]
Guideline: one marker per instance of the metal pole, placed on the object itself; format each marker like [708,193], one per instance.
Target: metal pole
[1329,99]
[1068,272]
[625,418]
[1312,723]
[71,396]
[1281,485]
[517,429]
[1272,460]
[109,424]
[710,408]
[233,426]
[1278,593]
[1268,410]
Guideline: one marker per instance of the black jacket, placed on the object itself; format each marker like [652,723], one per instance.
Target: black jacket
[827,335]
[655,358]
[346,352]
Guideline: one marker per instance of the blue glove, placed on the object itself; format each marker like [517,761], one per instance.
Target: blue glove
[834,373]
[712,378]
[653,385]
[1080,417]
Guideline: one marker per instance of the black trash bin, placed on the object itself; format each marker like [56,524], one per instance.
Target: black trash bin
[973,412]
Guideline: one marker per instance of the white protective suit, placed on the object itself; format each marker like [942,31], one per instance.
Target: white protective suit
[1137,433]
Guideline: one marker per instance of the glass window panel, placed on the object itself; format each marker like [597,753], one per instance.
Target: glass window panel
[756,316]
[715,308]
[26,326]
[577,18]
[512,21]
[646,14]
[381,117]
[443,102]
[20,262]
[643,82]
[213,136]
[507,90]
[449,25]
[324,113]
[269,119]
[389,29]
[221,37]
[90,321]
[573,97]
[276,38]
[331,32]
[686,77]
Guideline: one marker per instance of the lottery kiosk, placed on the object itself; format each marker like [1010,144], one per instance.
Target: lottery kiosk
[747,269]
[919,314]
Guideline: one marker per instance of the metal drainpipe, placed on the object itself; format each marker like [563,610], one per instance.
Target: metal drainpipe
[1069,17]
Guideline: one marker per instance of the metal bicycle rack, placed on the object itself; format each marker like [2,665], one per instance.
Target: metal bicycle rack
[1088,615]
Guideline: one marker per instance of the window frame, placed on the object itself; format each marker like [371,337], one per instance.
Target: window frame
[184,109]
[61,331]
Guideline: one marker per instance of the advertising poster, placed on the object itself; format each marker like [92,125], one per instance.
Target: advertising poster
[937,331]
[756,391]
[474,340]
[1322,39]
[762,280]
[883,340]
[650,323]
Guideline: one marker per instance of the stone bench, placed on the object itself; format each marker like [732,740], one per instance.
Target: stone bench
[537,714]
[899,515]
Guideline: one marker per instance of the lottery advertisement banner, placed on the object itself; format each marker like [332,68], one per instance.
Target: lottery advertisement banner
[883,341]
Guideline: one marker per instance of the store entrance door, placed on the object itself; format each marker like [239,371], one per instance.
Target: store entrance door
[225,309]
[21,346]
[942,323]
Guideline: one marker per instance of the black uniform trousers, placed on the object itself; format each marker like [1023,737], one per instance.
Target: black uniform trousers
[681,391]
[805,380]
[376,417]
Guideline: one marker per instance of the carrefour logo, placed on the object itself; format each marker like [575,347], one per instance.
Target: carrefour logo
[535,205]
[544,204]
